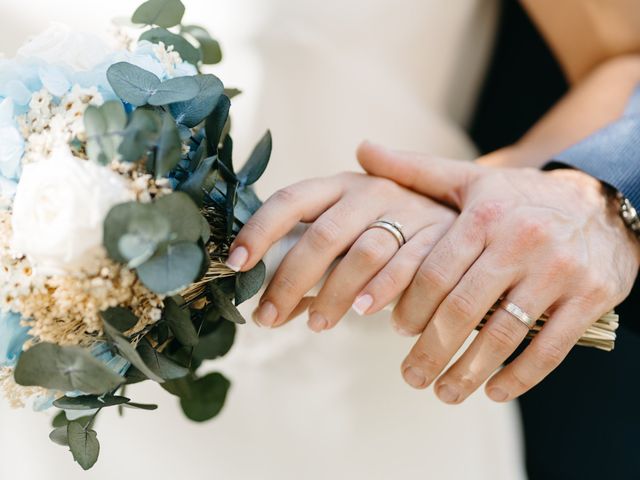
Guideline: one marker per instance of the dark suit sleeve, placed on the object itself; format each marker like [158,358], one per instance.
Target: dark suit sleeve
[611,155]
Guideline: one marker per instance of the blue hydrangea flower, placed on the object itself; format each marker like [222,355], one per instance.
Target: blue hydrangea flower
[12,338]
[11,142]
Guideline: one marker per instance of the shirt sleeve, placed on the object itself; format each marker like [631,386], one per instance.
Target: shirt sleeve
[611,155]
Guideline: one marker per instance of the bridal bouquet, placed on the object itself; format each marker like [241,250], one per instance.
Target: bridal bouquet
[119,200]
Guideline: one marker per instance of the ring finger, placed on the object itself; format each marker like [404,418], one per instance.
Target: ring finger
[498,339]
[370,253]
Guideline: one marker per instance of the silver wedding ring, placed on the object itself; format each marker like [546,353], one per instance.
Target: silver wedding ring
[519,314]
[394,228]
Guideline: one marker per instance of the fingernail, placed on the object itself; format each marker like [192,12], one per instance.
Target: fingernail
[448,394]
[317,322]
[266,314]
[415,377]
[400,330]
[237,259]
[362,304]
[497,394]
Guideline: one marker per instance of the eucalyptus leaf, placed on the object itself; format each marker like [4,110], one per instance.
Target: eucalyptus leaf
[258,161]
[161,365]
[184,216]
[133,231]
[104,126]
[164,13]
[187,51]
[225,305]
[172,269]
[131,83]
[89,402]
[232,92]
[123,319]
[210,48]
[217,343]
[194,111]
[247,204]
[179,320]
[193,186]
[65,369]
[180,89]
[140,406]
[60,420]
[139,135]
[128,351]
[249,283]
[215,124]
[169,148]
[59,436]
[84,444]
[206,398]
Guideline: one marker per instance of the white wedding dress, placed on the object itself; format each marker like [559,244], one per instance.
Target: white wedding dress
[323,75]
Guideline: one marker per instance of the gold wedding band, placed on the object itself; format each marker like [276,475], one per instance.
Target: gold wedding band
[394,228]
[519,314]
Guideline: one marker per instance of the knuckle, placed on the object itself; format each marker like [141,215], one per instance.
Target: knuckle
[387,280]
[459,305]
[286,196]
[429,277]
[465,380]
[599,291]
[502,338]
[531,232]
[517,380]
[429,363]
[548,355]
[254,228]
[282,284]
[486,213]
[323,234]
[370,250]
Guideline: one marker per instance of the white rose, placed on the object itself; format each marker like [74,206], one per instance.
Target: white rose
[59,45]
[59,211]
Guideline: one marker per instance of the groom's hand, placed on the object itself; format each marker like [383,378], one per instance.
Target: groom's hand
[548,241]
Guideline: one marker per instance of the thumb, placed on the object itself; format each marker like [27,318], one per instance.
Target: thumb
[442,179]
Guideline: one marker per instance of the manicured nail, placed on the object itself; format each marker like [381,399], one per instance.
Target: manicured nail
[266,314]
[237,259]
[448,394]
[317,322]
[400,330]
[362,304]
[415,377]
[497,394]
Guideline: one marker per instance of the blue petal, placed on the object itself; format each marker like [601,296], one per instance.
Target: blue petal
[12,338]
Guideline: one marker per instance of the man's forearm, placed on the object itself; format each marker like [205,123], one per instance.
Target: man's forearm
[598,100]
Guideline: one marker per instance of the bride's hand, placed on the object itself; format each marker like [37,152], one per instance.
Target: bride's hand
[340,209]
[550,241]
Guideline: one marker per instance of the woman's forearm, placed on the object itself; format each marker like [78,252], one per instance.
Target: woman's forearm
[600,98]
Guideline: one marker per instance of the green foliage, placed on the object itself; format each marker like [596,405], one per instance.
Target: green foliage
[65,369]
[181,89]
[172,269]
[132,84]
[258,161]
[249,283]
[201,398]
[187,51]
[164,13]
[60,420]
[89,402]
[169,148]
[215,124]
[190,113]
[217,343]
[160,364]
[59,435]
[84,444]
[225,305]
[179,320]
[209,47]
[139,135]
[104,126]
[129,352]
[121,318]
[184,217]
